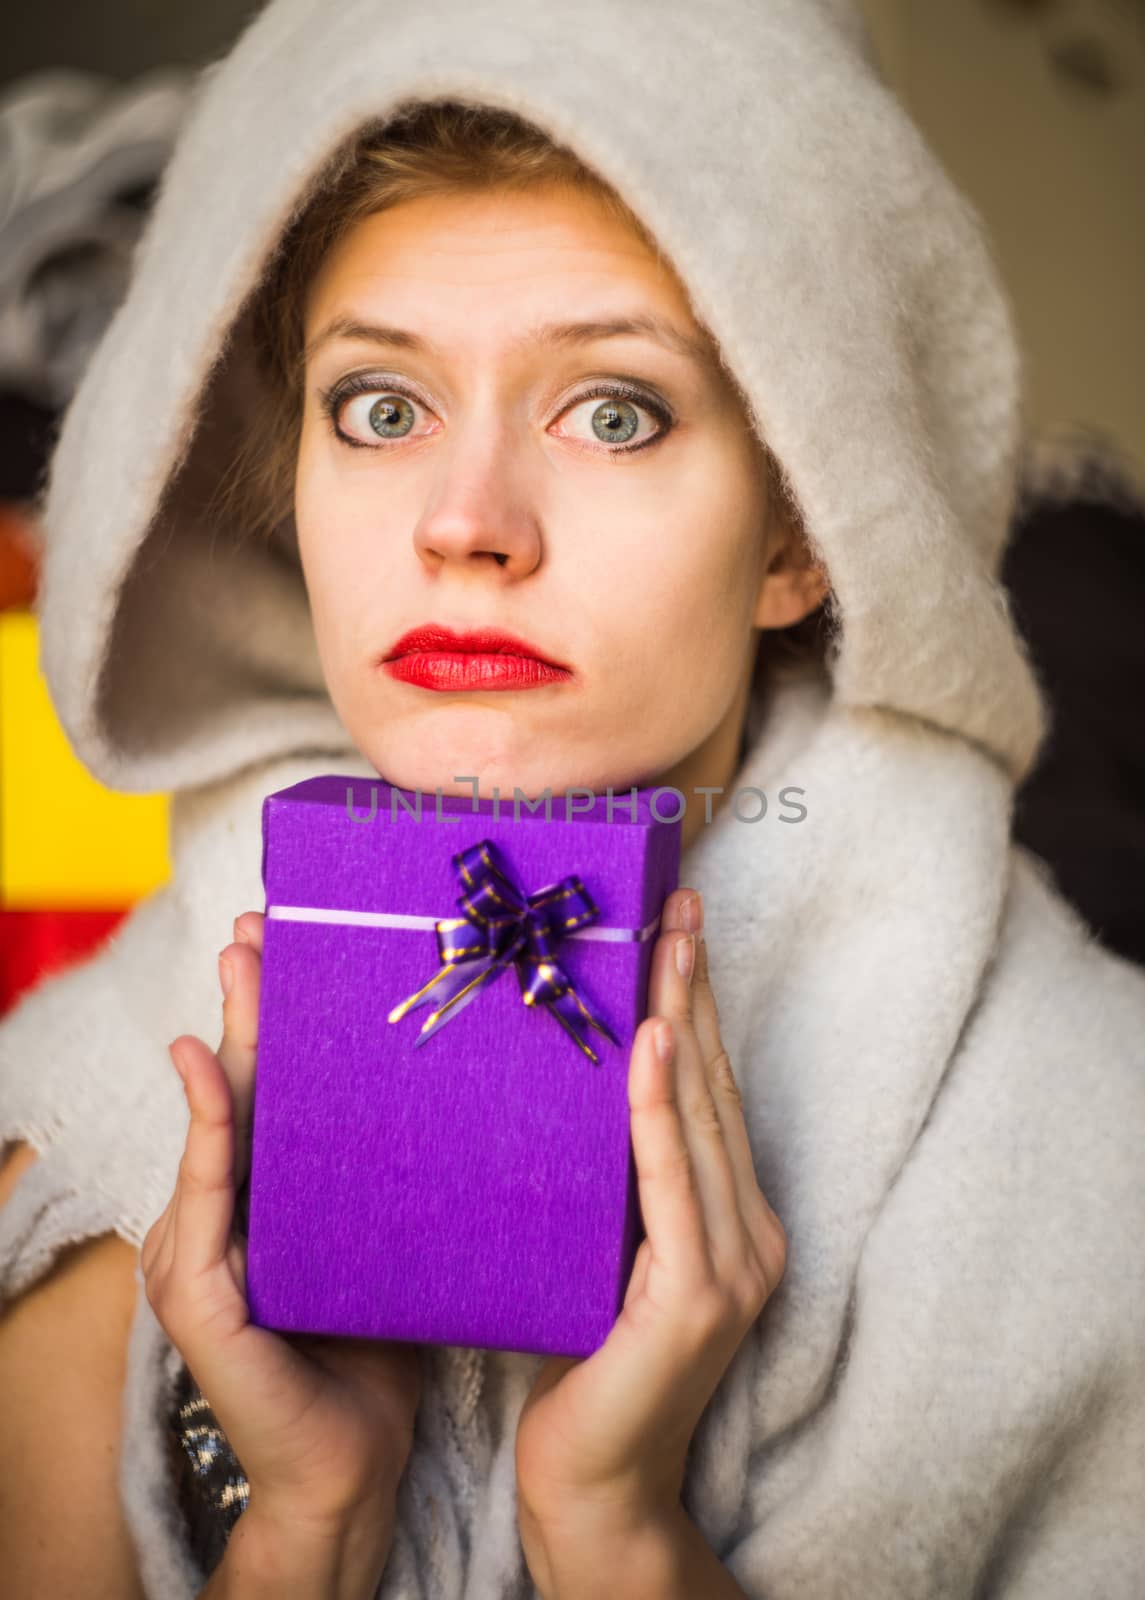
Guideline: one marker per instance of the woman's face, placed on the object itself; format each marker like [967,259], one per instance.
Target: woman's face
[515,459]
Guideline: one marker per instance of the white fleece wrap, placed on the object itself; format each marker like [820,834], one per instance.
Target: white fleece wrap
[846,279]
[942,1071]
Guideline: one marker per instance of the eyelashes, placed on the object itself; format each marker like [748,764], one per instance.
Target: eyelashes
[332,401]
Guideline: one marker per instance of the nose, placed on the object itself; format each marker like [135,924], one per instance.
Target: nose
[479,515]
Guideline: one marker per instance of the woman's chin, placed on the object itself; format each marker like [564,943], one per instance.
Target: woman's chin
[497,767]
[461,771]
[467,777]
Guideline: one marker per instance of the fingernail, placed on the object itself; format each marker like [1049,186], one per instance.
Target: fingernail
[226,975]
[240,933]
[664,1040]
[692,913]
[686,956]
[176,1063]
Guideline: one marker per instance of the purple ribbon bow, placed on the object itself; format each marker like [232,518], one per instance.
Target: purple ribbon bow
[502,927]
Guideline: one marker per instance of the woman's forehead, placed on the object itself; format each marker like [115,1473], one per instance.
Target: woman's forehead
[529,257]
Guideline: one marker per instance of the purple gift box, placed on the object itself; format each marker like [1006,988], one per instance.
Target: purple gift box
[465,1177]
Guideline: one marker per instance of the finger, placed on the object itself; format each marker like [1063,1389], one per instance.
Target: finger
[761,1225]
[728,1246]
[638,1279]
[670,1202]
[681,910]
[667,995]
[249,927]
[753,1203]
[155,1236]
[705,1018]
[164,1255]
[238,1048]
[236,1260]
[204,1210]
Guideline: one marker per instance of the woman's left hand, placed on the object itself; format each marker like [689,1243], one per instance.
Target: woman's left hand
[601,1442]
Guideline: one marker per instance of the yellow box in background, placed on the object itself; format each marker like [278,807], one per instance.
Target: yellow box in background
[65,839]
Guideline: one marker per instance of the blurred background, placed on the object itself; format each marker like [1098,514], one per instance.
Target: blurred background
[1036,108]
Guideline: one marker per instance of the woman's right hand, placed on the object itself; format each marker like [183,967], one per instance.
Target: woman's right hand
[322,1426]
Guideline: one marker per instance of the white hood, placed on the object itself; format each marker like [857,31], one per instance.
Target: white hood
[845,278]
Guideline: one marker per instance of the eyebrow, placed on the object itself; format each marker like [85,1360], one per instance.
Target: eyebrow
[550,335]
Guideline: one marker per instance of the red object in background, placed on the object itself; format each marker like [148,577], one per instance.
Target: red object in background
[35,944]
[19,558]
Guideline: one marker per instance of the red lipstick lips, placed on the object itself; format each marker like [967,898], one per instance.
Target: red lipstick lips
[436,657]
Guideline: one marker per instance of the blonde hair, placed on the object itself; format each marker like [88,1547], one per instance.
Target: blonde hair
[427,148]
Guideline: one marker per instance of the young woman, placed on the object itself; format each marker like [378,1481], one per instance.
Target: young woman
[659,341]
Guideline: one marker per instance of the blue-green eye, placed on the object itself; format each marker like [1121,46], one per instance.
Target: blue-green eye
[618,419]
[615,420]
[391,417]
